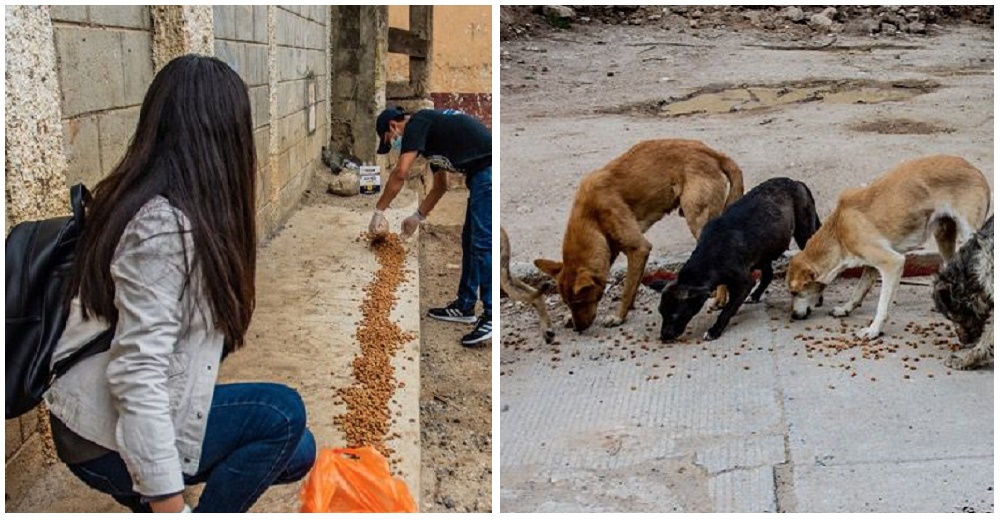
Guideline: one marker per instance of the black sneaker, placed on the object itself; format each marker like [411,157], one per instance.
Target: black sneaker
[453,313]
[482,332]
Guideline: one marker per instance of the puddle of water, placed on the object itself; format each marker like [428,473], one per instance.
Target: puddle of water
[758,97]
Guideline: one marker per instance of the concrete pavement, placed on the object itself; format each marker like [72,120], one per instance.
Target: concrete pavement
[761,420]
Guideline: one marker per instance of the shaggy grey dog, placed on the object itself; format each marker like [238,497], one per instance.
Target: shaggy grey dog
[963,292]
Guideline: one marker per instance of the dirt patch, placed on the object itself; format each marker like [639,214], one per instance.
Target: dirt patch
[786,21]
[724,99]
[455,388]
[900,126]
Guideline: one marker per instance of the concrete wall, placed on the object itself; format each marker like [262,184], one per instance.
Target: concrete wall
[463,49]
[358,90]
[461,76]
[75,80]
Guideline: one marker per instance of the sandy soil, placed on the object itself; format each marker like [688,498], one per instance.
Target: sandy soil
[455,387]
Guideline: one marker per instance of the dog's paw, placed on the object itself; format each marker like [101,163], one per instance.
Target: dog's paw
[612,321]
[549,335]
[717,304]
[961,360]
[711,335]
[868,333]
[840,312]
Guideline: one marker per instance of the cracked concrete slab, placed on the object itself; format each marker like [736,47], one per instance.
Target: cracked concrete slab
[757,421]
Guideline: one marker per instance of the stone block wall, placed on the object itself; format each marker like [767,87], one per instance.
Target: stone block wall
[104,64]
[242,41]
[281,53]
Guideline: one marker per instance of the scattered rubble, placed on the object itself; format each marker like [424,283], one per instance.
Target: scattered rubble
[875,20]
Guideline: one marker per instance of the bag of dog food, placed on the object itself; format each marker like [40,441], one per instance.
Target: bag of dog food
[354,481]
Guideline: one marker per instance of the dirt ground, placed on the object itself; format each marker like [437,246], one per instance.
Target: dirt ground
[455,387]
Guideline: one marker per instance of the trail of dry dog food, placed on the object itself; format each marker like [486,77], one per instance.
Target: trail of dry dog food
[368,419]
[937,334]
[830,345]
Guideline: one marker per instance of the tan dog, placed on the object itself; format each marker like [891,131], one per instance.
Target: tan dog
[522,292]
[616,204]
[875,226]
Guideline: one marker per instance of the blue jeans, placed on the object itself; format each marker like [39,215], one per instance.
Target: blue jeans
[256,436]
[476,281]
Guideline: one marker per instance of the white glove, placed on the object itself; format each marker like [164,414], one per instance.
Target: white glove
[379,225]
[410,224]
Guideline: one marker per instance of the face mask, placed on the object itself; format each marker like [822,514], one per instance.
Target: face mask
[397,143]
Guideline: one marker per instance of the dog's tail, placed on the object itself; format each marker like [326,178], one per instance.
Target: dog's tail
[735,176]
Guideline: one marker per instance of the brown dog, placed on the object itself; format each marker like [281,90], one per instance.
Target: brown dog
[616,204]
[941,195]
[522,292]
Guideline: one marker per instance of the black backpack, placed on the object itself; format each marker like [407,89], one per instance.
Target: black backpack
[39,259]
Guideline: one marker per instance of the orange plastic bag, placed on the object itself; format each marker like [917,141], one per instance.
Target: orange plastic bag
[354,481]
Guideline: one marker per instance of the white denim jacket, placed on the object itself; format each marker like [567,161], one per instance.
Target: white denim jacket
[149,395]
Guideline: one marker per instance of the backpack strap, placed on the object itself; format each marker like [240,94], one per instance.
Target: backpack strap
[95,346]
[79,197]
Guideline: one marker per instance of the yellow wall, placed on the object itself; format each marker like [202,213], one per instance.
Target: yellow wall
[463,48]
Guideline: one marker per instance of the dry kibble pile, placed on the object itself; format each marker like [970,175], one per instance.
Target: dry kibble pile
[368,419]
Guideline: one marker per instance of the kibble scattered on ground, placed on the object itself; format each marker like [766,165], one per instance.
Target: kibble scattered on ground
[368,420]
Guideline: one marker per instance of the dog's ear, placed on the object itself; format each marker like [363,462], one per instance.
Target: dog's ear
[678,291]
[942,295]
[683,292]
[549,267]
[980,304]
[584,281]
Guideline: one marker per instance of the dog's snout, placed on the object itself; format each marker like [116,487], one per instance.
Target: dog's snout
[801,315]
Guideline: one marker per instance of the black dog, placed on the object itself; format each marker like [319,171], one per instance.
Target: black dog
[750,234]
[963,291]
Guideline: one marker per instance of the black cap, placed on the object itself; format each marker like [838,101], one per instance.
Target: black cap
[382,126]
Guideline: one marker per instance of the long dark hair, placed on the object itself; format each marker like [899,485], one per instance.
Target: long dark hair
[193,145]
